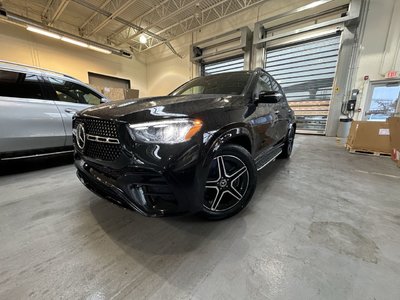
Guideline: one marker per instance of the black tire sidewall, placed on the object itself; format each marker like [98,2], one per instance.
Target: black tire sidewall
[285,148]
[247,159]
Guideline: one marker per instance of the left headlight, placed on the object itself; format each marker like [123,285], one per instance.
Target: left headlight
[165,132]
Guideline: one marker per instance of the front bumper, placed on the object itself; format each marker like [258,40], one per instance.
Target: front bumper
[171,187]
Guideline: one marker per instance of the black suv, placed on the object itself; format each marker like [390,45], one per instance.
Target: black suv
[196,150]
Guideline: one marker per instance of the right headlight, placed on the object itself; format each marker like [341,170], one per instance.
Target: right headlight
[166,131]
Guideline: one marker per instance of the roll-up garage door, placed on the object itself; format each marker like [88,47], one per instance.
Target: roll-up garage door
[227,65]
[306,72]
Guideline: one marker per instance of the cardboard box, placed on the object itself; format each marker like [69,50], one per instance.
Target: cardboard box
[370,136]
[131,94]
[117,93]
[114,93]
[394,126]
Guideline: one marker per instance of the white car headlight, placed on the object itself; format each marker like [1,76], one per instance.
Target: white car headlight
[165,132]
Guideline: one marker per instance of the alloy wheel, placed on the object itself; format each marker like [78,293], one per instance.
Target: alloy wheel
[227,183]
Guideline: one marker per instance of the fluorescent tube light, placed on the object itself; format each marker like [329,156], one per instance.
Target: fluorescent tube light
[98,49]
[315,4]
[75,42]
[43,32]
[67,39]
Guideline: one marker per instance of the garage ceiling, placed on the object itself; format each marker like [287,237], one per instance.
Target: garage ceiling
[121,23]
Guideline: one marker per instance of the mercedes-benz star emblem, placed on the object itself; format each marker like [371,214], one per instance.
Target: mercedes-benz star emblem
[80,136]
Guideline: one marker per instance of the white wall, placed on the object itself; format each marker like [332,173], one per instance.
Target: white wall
[21,46]
[379,47]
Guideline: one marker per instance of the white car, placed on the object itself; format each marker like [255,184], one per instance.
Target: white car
[36,109]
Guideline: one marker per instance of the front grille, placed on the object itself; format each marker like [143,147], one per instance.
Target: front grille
[100,128]
[96,150]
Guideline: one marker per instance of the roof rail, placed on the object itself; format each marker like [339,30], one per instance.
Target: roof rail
[36,68]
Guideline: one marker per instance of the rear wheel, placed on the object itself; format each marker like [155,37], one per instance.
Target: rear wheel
[230,184]
[287,148]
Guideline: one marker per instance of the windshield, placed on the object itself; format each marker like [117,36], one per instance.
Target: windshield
[223,84]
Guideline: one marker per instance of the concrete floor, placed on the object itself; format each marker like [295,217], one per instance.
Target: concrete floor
[323,225]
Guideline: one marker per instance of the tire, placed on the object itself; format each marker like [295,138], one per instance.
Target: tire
[230,184]
[287,148]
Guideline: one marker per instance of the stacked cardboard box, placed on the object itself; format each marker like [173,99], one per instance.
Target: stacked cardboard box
[369,137]
[117,93]
[394,126]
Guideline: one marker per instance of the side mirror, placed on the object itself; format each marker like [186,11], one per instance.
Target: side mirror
[269,97]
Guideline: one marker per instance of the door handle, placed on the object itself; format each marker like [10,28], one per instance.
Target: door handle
[70,110]
[277,112]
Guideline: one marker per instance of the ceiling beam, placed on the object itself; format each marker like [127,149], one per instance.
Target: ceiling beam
[122,21]
[46,8]
[53,10]
[93,15]
[165,15]
[192,23]
[119,30]
[118,19]
[108,19]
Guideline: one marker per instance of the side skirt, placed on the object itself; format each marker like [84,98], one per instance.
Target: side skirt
[269,157]
[36,153]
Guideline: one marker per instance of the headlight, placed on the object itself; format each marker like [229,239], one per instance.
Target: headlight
[165,132]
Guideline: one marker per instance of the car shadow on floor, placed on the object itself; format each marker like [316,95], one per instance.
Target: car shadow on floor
[161,246]
[156,236]
[169,234]
[11,167]
[164,245]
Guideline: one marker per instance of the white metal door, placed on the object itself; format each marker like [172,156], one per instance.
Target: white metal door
[306,72]
[27,120]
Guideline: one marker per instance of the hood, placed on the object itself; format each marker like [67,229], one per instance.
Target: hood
[155,108]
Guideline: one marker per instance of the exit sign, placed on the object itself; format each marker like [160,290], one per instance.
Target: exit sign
[391,74]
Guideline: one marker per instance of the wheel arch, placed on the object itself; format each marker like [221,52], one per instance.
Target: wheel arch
[237,134]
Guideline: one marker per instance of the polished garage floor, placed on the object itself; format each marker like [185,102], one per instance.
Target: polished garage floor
[324,225]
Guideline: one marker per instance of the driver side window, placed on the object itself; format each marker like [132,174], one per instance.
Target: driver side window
[72,92]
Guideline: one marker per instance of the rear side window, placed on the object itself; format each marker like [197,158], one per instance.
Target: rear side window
[68,91]
[20,85]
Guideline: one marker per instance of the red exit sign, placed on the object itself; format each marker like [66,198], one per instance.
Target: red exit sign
[392,74]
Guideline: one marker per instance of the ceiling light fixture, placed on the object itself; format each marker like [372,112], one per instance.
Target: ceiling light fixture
[67,39]
[75,42]
[43,32]
[98,49]
[143,39]
[315,4]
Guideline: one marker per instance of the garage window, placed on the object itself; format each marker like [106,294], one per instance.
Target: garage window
[306,72]
[223,66]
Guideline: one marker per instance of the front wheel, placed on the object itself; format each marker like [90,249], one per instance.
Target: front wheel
[230,184]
